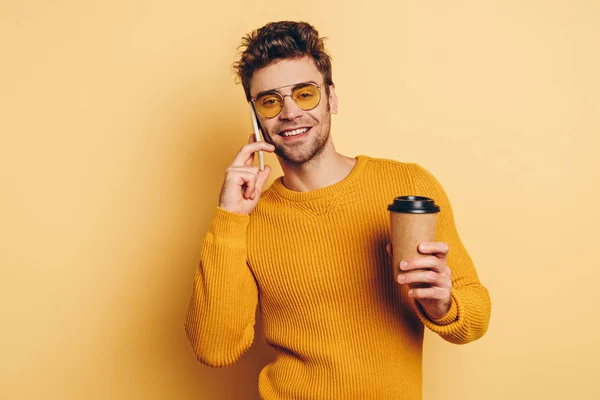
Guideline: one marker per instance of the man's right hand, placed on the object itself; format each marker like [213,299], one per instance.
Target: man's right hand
[243,181]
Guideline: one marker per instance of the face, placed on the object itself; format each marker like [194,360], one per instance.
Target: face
[298,135]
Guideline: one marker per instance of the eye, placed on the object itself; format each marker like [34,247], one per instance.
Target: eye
[268,101]
[305,92]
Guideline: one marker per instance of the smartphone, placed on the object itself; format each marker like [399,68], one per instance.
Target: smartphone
[257,133]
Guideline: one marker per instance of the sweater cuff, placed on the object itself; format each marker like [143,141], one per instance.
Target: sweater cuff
[228,225]
[433,323]
[449,317]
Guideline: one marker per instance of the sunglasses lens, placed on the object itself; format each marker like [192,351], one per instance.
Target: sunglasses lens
[268,105]
[307,97]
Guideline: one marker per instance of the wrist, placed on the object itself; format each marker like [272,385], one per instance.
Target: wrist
[439,311]
[450,317]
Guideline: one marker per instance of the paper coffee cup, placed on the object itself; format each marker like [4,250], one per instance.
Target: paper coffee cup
[412,221]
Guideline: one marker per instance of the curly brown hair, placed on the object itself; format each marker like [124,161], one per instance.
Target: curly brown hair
[281,40]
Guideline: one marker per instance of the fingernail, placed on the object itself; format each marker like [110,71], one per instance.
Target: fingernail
[410,292]
[403,264]
[401,278]
[423,247]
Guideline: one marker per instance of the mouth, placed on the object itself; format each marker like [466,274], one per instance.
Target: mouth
[294,133]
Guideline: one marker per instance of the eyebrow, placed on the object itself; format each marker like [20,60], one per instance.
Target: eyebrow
[276,90]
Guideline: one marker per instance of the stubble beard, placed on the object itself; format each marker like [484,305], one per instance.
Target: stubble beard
[302,153]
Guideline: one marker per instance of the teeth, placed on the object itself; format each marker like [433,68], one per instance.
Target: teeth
[295,132]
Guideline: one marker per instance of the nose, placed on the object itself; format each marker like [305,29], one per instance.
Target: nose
[289,109]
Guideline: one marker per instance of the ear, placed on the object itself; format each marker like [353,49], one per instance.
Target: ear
[333,100]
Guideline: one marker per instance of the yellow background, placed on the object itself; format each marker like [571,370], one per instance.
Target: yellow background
[118,119]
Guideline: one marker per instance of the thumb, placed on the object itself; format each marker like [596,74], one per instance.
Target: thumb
[262,178]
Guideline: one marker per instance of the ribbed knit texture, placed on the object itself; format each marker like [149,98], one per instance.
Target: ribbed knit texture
[341,326]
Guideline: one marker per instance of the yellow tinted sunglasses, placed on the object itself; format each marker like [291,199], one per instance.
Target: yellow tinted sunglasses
[306,95]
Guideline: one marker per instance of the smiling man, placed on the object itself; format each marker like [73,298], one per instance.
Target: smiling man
[313,249]
[298,135]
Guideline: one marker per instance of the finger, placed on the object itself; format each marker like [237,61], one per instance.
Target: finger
[249,149]
[260,180]
[424,276]
[417,277]
[249,191]
[251,183]
[243,170]
[432,293]
[388,248]
[429,262]
[250,160]
[420,276]
[440,249]
[244,176]
[243,179]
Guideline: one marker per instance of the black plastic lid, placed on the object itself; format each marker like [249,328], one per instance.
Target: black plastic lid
[414,205]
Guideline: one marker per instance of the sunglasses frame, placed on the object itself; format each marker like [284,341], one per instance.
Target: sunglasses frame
[283,96]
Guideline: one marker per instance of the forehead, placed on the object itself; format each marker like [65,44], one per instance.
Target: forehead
[284,72]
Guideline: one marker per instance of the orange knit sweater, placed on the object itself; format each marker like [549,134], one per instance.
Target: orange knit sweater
[316,264]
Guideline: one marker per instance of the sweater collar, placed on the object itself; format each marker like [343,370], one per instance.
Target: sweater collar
[326,191]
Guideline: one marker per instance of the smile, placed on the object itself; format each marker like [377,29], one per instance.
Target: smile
[295,132]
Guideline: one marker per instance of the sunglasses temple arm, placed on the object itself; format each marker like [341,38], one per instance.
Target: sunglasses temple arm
[261,157]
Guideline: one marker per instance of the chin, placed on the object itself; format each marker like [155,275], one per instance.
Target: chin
[301,157]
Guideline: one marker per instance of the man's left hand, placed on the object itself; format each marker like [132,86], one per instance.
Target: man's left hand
[431,270]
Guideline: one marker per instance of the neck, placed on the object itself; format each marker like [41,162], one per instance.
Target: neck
[323,170]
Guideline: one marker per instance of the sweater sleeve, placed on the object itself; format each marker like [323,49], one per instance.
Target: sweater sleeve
[470,310]
[221,310]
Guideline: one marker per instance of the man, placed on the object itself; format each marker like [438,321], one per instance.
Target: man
[311,249]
